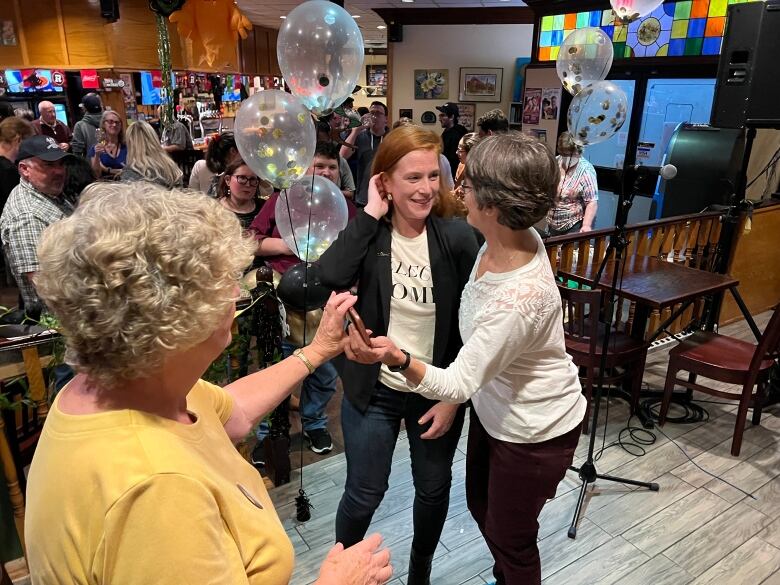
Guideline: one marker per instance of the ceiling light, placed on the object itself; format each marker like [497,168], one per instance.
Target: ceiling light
[282,17]
[407,1]
[381,27]
[355,16]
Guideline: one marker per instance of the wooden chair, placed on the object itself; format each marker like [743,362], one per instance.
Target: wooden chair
[584,342]
[728,360]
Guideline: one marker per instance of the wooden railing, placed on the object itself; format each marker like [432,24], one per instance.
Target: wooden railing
[690,240]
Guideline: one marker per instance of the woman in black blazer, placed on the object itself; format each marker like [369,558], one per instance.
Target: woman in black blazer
[410,265]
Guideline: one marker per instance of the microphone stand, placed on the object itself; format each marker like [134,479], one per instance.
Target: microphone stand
[617,246]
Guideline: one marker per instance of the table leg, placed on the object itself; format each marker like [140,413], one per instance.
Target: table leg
[745,312]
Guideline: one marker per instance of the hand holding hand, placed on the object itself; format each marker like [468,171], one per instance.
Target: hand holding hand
[362,564]
[328,341]
[382,349]
[378,204]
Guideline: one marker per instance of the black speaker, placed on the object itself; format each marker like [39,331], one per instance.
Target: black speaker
[395,33]
[748,84]
[109,9]
[708,161]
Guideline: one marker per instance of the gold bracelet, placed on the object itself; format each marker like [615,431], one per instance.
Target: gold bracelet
[302,356]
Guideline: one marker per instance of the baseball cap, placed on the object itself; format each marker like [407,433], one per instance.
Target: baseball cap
[449,109]
[42,147]
[92,103]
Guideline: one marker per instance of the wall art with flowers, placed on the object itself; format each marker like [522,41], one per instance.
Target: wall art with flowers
[431,84]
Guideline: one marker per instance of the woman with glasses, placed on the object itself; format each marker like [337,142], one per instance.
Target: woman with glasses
[409,265]
[109,154]
[240,190]
[147,161]
[527,401]
[464,146]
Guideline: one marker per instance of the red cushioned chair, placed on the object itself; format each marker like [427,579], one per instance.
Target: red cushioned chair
[729,360]
[584,343]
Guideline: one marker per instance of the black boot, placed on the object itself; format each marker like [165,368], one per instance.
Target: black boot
[419,569]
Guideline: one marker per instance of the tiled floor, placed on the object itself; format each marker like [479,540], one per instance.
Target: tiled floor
[696,529]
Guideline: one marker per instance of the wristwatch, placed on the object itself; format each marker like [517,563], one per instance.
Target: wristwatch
[404,365]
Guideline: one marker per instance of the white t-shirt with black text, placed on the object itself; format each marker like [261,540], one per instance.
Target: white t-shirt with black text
[412,306]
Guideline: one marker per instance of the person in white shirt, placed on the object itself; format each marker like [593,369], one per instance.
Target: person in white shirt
[527,401]
[409,264]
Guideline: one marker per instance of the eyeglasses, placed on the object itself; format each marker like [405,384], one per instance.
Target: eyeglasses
[244,180]
[112,122]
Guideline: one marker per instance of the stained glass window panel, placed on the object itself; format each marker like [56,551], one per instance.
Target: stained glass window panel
[682,28]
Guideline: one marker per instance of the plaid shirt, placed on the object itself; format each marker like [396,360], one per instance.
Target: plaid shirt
[25,215]
[577,188]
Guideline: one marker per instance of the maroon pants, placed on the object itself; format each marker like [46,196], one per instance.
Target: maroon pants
[507,485]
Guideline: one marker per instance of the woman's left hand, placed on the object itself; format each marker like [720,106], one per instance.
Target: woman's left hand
[329,339]
[442,415]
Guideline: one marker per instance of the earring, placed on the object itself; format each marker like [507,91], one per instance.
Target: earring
[389,196]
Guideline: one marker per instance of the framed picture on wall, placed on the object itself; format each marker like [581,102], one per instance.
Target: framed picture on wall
[467,115]
[480,84]
[376,80]
[406,113]
[431,84]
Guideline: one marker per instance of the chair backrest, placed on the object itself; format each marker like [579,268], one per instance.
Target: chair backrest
[581,310]
[768,347]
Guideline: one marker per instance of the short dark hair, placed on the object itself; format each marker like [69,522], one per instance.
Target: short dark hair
[516,175]
[327,150]
[378,103]
[6,110]
[362,110]
[493,121]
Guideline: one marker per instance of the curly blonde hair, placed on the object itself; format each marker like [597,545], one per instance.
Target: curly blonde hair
[137,272]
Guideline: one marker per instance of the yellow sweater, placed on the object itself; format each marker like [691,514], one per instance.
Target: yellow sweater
[125,497]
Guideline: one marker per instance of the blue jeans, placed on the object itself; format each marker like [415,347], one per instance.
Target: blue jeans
[317,390]
[369,441]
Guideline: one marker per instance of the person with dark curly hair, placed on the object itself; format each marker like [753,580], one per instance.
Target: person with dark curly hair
[206,172]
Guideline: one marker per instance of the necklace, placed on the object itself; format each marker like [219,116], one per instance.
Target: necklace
[247,208]
[505,264]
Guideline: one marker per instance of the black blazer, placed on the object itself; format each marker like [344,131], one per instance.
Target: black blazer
[362,254]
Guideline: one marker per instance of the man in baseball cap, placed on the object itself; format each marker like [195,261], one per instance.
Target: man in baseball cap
[452,134]
[34,204]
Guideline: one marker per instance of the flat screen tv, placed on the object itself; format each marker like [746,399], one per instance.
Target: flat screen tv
[150,95]
[30,81]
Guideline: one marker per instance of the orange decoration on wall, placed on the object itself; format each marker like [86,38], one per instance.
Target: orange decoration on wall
[213,26]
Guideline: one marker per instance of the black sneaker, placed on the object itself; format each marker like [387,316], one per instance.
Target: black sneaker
[258,455]
[319,440]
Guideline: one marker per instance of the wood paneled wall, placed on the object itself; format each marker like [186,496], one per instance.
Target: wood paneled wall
[71,34]
[258,52]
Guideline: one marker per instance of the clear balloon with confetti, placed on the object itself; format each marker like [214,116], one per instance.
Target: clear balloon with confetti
[597,112]
[320,52]
[310,215]
[585,57]
[630,10]
[276,136]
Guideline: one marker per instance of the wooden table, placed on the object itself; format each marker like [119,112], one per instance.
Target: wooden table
[655,284]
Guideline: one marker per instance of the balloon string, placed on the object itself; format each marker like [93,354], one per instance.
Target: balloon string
[289,216]
[301,491]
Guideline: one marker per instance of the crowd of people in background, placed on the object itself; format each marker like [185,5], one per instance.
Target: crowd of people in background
[407,191]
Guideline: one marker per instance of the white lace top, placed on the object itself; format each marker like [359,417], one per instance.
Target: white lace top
[513,364]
